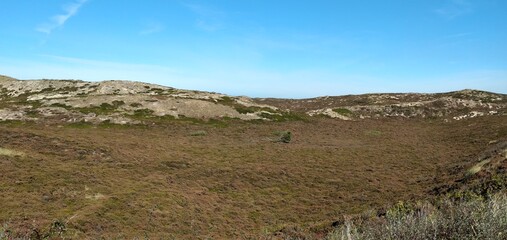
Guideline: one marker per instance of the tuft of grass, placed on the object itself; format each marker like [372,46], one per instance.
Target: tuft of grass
[477,167]
[375,133]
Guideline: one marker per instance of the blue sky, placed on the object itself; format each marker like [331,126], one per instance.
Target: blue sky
[262,48]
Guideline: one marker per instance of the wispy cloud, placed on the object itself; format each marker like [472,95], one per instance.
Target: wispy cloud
[152,28]
[208,19]
[59,20]
[455,8]
[458,35]
[456,39]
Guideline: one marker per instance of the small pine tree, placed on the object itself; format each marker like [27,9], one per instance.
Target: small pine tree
[286,137]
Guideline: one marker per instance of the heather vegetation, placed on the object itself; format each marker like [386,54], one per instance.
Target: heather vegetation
[127,160]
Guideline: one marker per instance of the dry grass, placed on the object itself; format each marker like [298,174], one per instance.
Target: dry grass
[477,167]
[233,182]
[477,219]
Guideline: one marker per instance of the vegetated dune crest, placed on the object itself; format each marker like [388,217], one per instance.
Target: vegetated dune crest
[128,102]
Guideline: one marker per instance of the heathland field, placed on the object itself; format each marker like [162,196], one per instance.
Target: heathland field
[122,159]
[225,179]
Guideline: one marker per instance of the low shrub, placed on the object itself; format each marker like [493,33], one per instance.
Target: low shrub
[343,111]
[476,219]
[283,136]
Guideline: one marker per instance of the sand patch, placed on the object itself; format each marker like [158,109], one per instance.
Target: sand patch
[10,152]
[96,196]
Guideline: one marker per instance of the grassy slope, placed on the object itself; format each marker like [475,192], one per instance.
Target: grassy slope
[234,181]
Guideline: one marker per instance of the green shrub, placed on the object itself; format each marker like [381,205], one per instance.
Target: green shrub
[286,137]
[342,111]
[226,100]
[117,103]
[104,108]
[285,116]
[283,136]
[143,112]
[244,110]
[60,105]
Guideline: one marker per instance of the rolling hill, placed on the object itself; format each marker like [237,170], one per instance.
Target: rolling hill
[121,159]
